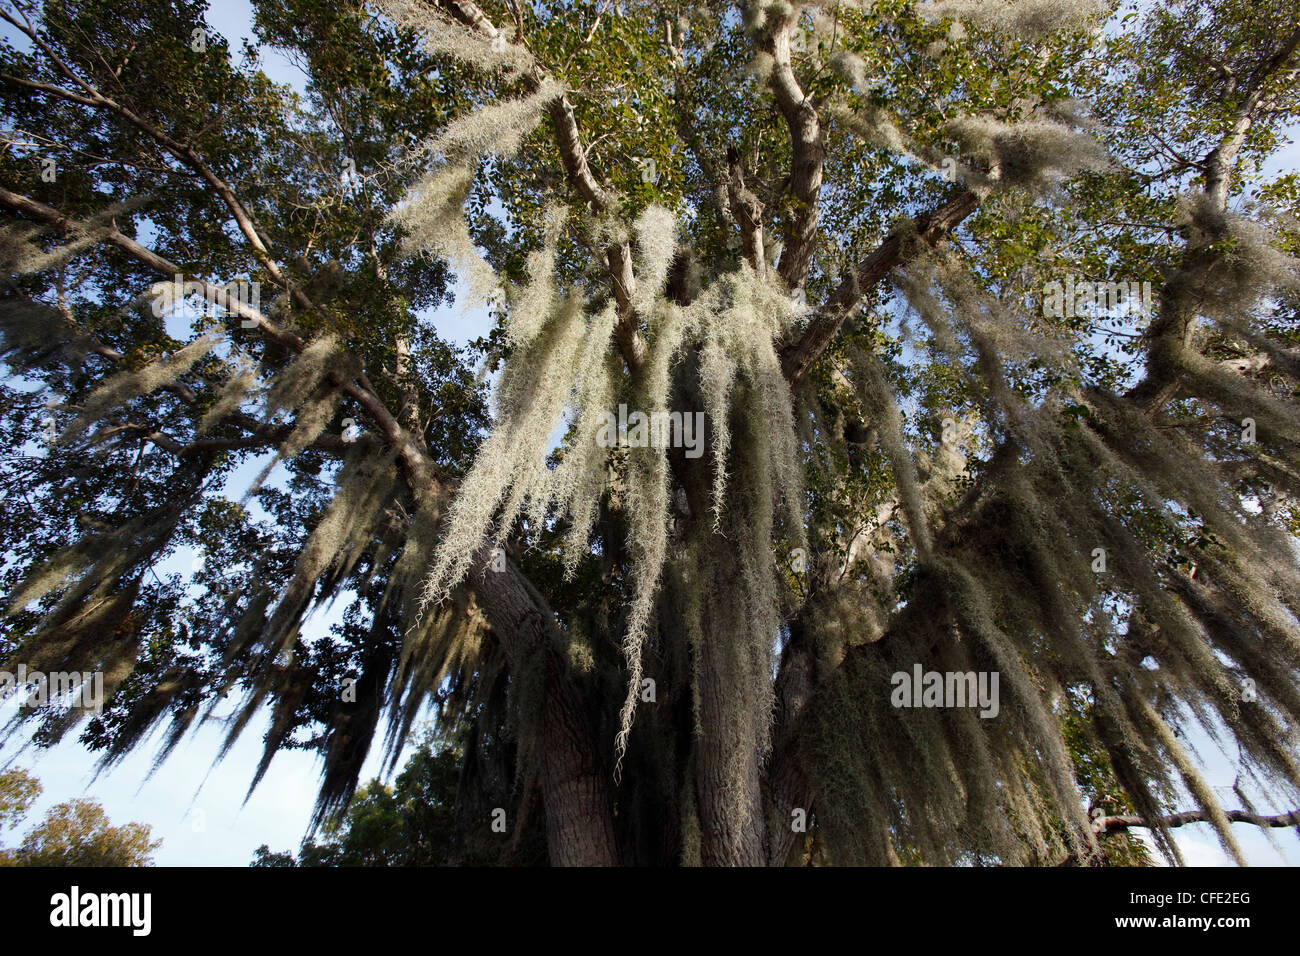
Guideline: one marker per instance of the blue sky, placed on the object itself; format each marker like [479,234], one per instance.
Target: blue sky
[197,808]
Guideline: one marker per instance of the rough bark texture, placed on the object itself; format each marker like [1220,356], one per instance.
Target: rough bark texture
[786,785]
[579,818]
[727,779]
[730,803]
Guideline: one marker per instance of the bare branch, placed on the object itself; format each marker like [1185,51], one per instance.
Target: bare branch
[901,246]
[809,155]
[1122,823]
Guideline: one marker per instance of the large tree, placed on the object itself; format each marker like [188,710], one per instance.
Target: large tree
[890,254]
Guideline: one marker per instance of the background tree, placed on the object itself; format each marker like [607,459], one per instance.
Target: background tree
[18,791]
[416,822]
[76,833]
[830,228]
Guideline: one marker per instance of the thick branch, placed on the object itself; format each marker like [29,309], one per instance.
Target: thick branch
[618,258]
[749,213]
[579,819]
[900,247]
[1119,824]
[808,154]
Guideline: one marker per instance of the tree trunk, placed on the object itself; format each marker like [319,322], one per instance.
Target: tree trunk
[727,779]
[579,822]
[575,798]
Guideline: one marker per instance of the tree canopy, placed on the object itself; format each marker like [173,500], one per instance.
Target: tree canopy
[75,833]
[988,312]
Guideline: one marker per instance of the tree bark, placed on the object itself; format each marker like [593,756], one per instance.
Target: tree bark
[729,801]
[575,797]
[727,773]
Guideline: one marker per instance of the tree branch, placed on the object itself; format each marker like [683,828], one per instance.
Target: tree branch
[1122,823]
[183,152]
[419,466]
[749,213]
[899,247]
[515,611]
[1170,333]
[808,153]
[618,257]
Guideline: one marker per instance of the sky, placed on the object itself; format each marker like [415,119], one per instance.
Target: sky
[198,809]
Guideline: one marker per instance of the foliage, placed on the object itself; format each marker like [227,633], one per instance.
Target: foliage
[75,833]
[830,229]
[18,791]
[412,823]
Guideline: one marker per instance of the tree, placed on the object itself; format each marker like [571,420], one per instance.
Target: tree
[18,791]
[76,833]
[413,823]
[880,339]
